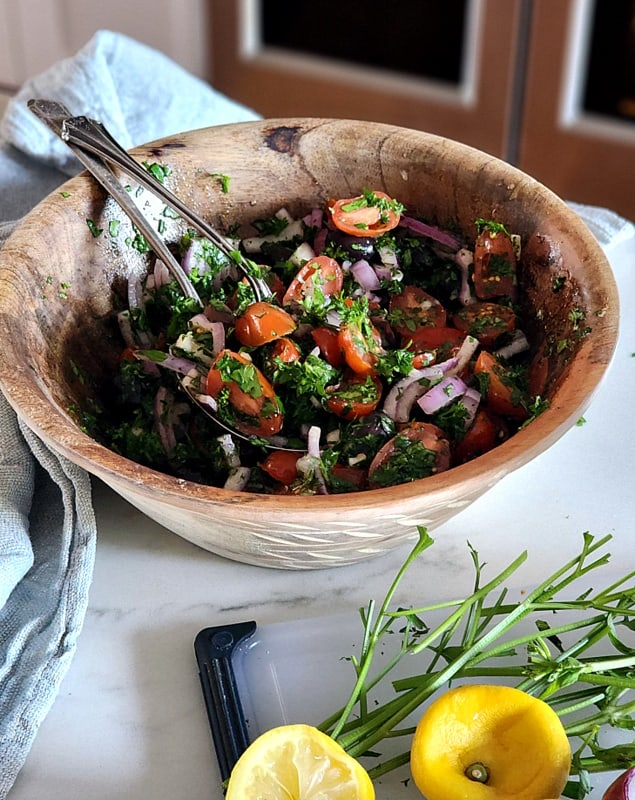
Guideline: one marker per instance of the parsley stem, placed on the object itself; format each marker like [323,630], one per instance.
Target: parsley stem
[562,675]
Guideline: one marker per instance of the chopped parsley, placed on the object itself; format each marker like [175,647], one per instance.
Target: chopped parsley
[409,461]
[94,228]
[158,171]
[223,180]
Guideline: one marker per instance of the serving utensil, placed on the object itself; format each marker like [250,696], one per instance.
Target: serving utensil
[99,152]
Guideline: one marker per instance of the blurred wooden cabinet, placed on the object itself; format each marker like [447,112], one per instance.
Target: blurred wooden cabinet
[519,92]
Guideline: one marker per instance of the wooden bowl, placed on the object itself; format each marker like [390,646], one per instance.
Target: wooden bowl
[56,295]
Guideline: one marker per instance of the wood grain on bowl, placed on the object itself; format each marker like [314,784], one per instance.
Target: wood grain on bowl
[60,285]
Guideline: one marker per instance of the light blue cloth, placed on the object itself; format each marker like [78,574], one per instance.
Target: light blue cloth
[47,526]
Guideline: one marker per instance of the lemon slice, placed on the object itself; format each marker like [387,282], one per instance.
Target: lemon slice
[298,762]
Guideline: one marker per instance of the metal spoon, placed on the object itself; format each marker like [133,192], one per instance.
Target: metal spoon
[97,150]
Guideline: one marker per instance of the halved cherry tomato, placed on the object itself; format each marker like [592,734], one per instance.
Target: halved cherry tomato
[348,478]
[262,322]
[276,284]
[327,339]
[320,277]
[355,396]
[400,460]
[413,308]
[252,405]
[361,349]
[443,339]
[369,214]
[485,432]
[494,264]
[127,354]
[281,465]
[485,321]
[285,349]
[502,396]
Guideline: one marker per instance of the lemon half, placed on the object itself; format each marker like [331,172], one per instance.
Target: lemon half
[298,762]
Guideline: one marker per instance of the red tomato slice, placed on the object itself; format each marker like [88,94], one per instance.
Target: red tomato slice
[361,352]
[252,406]
[353,478]
[285,349]
[494,264]
[442,339]
[127,354]
[327,339]
[486,431]
[355,396]
[320,276]
[414,308]
[281,465]
[263,322]
[485,321]
[501,397]
[394,464]
[361,216]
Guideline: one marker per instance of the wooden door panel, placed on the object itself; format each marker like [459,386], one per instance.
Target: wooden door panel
[277,83]
[582,157]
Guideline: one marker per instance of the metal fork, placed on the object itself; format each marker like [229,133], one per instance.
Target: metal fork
[98,151]
[93,144]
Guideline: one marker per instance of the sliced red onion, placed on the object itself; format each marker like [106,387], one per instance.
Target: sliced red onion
[254,244]
[314,219]
[135,293]
[151,368]
[201,322]
[442,394]
[431,231]
[125,328]
[365,275]
[183,366]
[471,400]
[468,347]
[333,318]
[313,441]
[207,401]
[517,344]
[131,336]
[193,257]
[162,422]
[319,242]
[230,451]
[387,273]
[237,479]
[403,395]
[303,253]
[309,466]
[447,365]
[223,314]
[161,273]
[388,257]
[465,258]
[216,329]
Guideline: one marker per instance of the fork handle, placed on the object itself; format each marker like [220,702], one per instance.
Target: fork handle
[54,116]
[93,136]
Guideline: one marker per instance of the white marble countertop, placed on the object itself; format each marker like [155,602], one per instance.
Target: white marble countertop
[129,721]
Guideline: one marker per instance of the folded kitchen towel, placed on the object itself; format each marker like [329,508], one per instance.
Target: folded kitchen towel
[47,526]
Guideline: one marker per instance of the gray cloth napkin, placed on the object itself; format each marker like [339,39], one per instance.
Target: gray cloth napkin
[47,525]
